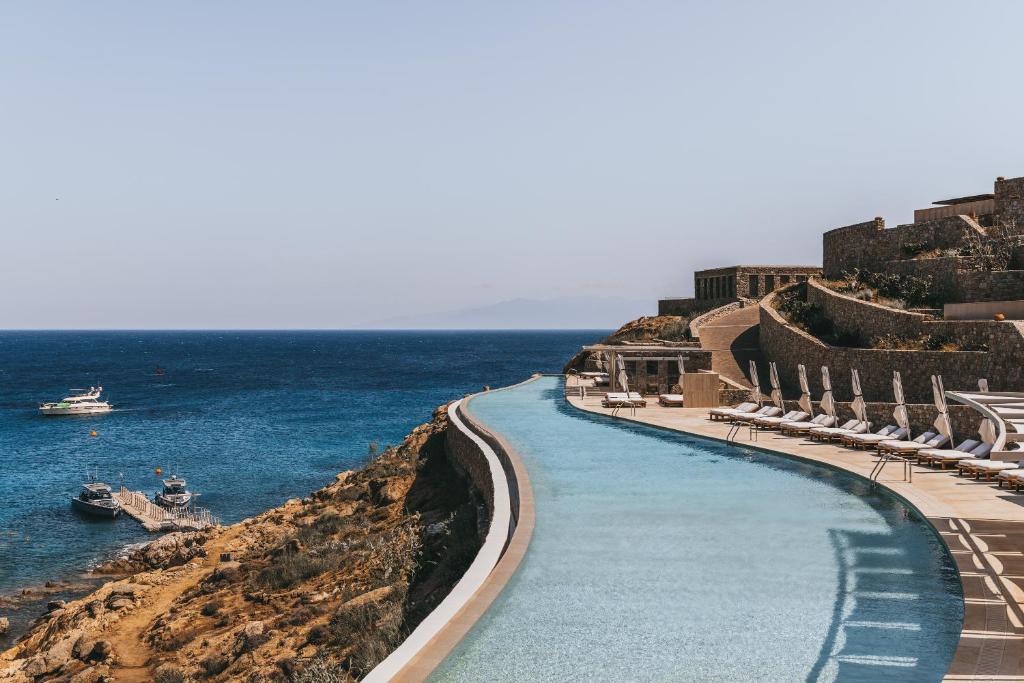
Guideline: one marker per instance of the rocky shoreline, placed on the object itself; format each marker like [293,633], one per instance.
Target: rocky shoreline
[321,588]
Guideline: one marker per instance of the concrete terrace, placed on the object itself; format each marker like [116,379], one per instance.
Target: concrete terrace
[983,526]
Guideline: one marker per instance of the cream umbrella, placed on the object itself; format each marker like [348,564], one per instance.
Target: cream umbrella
[939,399]
[900,411]
[623,380]
[755,393]
[859,407]
[828,404]
[682,365]
[987,431]
[773,376]
[805,390]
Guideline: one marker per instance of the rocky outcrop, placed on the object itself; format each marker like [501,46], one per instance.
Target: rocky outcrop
[172,550]
[330,583]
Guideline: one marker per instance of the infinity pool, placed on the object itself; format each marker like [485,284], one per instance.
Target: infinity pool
[662,557]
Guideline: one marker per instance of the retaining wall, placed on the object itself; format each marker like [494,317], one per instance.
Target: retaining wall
[789,346]
[1003,363]
[871,246]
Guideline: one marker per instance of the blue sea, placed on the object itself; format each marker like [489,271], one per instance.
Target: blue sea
[251,419]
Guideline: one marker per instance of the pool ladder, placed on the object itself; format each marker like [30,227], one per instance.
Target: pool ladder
[884,459]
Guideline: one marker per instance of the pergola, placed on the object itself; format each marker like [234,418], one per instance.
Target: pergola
[645,352]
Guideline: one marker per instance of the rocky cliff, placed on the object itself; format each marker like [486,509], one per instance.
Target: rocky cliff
[319,589]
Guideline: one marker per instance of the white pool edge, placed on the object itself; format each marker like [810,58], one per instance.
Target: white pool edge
[476,575]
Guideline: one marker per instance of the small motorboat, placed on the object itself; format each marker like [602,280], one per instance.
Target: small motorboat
[96,500]
[85,402]
[174,494]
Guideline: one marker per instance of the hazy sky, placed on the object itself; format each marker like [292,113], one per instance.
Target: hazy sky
[246,164]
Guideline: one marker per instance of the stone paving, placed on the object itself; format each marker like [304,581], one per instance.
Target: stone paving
[982,525]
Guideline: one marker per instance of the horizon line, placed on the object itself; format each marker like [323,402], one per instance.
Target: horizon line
[305,329]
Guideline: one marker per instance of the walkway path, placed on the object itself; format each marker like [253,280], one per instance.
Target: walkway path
[733,342]
[982,525]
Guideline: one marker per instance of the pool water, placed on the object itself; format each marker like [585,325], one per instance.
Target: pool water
[663,557]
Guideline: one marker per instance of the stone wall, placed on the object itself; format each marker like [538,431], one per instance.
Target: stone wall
[1010,200]
[869,246]
[1003,340]
[997,285]
[689,306]
[789,346]
[466,458]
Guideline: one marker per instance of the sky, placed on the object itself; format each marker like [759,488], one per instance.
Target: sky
[331,164]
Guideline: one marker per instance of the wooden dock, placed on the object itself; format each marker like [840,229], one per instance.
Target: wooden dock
[155,518]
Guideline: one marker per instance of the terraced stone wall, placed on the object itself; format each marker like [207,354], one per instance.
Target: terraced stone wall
[1003,340]
[870,246]
[789,346]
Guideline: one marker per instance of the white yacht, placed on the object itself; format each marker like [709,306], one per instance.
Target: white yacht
[82,403]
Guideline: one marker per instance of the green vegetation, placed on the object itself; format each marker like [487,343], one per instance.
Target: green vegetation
[888,289]
[811,318]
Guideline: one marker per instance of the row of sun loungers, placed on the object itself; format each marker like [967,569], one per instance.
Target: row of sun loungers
[970,456]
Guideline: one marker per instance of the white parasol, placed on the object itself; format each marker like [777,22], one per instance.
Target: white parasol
[828,404]
[859,407]
[773,376]
[755,393]
[805,390]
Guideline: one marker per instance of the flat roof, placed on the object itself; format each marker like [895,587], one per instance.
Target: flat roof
[768,266]
[964,200]
[621,348]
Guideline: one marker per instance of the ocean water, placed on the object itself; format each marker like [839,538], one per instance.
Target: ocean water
[251,419]
[665,557]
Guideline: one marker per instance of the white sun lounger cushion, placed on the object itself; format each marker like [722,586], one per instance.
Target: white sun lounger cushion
[791,416]
[819,421]
[994,465]
[742,409]
[963,450]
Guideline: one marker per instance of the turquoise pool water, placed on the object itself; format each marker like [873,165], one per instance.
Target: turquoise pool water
[661,557]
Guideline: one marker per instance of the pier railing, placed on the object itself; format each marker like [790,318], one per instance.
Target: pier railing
[190,518]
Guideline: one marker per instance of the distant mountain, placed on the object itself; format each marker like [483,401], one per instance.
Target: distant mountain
[578,312]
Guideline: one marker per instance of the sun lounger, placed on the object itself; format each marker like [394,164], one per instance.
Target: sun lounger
[726,412]
[774,422]
[831,433]
[862,440]
[671,400]
[985,468]
[932,455]
[1013,478]
[797,428]
[922,441]
[617,399]
[767,411]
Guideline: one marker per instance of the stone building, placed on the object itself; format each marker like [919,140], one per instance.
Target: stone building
[718,286]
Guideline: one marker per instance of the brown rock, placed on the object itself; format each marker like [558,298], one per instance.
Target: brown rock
[35,667]
[55,605]
[101,651]
[5,625]
[227,571]
[93,674]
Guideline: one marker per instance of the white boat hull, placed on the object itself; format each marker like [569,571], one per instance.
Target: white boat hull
[75,410]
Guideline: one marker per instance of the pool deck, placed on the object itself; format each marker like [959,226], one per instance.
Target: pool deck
[982,525]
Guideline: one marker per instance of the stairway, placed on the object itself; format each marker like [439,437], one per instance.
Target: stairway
[734,341]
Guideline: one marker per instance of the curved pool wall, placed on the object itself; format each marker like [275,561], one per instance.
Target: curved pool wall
[659,556]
